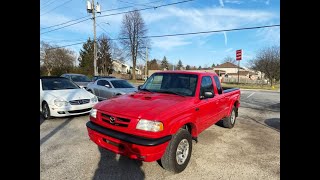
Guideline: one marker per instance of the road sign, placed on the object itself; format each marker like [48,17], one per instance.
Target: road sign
[239,54]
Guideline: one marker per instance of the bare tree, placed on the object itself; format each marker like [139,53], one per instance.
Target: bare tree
[132,31]
[56,60]
[267,61]
[229,59]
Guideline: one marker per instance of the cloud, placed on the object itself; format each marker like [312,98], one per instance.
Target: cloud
[269,35]
[267,2]
[170,42]
[233,1]
[221,3]
[228,50]
[225,38]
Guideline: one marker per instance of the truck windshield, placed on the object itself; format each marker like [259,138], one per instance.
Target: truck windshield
[176,83]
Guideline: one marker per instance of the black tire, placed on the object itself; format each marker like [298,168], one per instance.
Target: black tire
[45,111]
[169,159]
[228,122]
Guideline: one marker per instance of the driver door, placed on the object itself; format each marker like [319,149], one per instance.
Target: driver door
[103,87]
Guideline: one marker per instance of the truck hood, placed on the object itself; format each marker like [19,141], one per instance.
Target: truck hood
[142,104]
[70,94]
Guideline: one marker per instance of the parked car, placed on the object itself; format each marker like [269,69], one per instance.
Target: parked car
[80,79]
[99,77]
[160,121]
[61,97]
[106,88]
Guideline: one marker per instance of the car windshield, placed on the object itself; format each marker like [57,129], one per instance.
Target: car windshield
[80,78]
[173,83]
[121,84]
[58,84]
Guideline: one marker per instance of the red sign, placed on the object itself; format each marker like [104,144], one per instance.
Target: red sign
[239,54]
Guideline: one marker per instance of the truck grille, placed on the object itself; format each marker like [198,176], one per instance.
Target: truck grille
[115,121]
[79,102]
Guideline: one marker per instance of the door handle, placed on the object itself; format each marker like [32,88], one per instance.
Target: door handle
[197,109]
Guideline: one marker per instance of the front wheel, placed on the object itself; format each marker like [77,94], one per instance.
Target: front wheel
[46,111]
[178,152]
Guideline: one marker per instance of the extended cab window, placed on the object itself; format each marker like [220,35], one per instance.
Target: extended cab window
[216,79]
[206,85]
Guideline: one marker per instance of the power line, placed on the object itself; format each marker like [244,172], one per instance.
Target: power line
[184,34]
[89,15]
[170,4]
[65,26]
[155,7]
[55,7]
[85,17]
[140,4]
[103,29]
[48,4]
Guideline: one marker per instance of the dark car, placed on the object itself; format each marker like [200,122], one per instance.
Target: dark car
[80,79]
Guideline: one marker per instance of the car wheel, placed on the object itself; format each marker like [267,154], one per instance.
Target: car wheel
[46,111]
[178,152]
[229,122]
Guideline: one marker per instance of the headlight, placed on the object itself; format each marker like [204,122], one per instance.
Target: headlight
[94,99]
[93,113]
[147,125]
[60,102]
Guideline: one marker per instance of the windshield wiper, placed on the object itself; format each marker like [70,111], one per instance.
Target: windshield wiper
[144,89]
[171,92]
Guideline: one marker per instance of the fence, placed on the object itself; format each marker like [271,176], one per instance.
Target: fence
[244,81]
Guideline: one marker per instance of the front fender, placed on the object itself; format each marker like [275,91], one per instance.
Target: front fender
[178,123]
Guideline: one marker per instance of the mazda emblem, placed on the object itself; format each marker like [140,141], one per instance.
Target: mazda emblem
[112,119]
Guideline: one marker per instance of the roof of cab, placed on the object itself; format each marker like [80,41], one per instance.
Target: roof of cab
[188,72]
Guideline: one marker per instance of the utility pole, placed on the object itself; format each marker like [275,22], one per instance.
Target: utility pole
[91,8]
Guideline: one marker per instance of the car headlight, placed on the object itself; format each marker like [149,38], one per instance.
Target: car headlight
[147,125]
[93,113]
[94,99]
[60,102]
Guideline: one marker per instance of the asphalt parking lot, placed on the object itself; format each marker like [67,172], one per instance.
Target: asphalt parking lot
[251,150]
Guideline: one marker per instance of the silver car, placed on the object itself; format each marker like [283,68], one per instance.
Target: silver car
[106,88]
[80,79]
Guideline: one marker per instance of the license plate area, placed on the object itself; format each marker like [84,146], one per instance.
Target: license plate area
[120,146]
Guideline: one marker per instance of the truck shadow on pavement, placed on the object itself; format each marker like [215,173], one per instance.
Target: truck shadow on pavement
[273,122]
[111,168]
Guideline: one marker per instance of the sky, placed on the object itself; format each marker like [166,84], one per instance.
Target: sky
[194,16]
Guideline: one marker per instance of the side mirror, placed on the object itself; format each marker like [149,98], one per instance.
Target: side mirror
[139,87]
[207,95]
[107,85]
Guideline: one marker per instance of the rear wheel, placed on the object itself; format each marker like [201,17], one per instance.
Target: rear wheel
[46,111]
[229,122]
[178,152]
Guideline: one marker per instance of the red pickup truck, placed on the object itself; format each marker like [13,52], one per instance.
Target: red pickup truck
[160,121]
